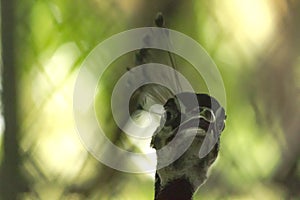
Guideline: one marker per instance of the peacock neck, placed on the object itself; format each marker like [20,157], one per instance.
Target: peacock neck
[179,189]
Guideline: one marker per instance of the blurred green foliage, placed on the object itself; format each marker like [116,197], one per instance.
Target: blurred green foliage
[255,45]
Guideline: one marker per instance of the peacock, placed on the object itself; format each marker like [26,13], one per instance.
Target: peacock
[189,122]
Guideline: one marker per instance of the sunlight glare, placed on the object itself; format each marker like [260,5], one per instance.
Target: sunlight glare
[249,19]
[63,59]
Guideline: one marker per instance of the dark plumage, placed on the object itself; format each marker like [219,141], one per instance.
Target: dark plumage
[181,178]
[187,140]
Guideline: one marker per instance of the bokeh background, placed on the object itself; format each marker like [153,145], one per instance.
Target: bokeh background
[255,44]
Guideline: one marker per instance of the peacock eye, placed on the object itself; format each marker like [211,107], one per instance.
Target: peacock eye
[208,115]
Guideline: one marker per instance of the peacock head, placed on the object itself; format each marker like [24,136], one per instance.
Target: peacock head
[189,133]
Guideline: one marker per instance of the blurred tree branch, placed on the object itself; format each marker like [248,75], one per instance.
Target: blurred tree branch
[279,96]
[12,182]
[287,169]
